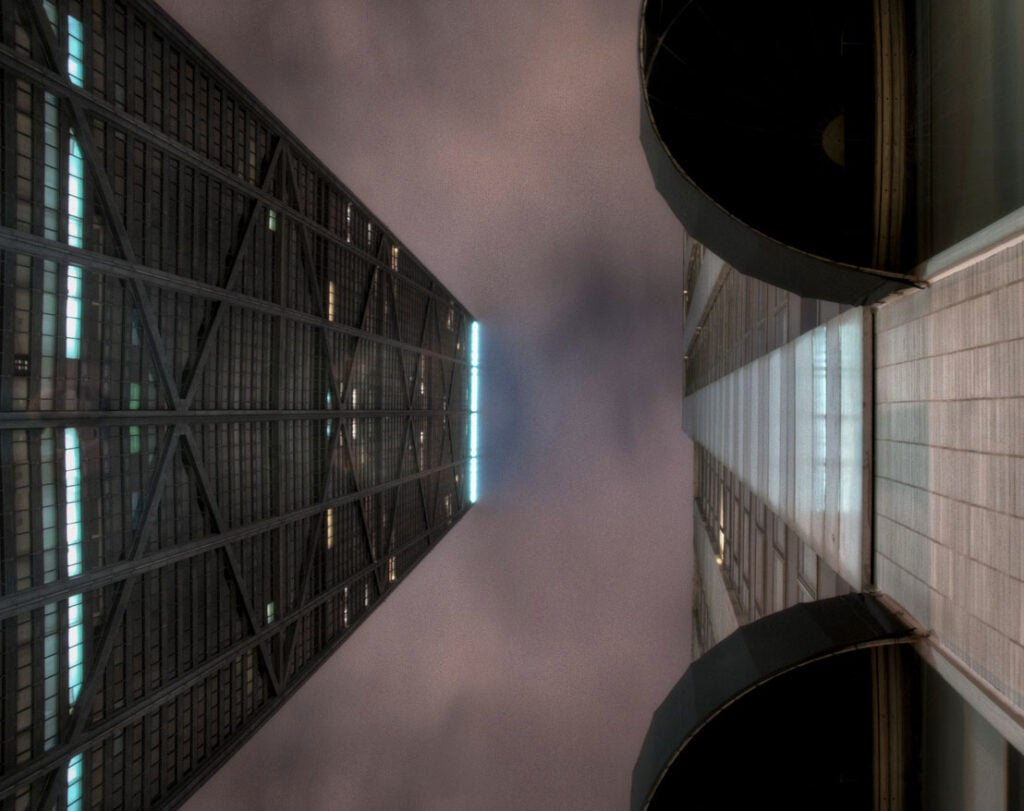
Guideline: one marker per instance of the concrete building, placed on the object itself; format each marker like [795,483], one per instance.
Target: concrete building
[235,410]
[857,422]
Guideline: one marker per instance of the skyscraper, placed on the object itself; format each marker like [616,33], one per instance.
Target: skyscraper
[235,410]
[852,374]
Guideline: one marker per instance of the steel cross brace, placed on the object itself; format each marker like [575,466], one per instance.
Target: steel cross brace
[113,573]
[312,285]
[312,541]
[83,134]
[80,712]
[91,262]
[207,494]
[220,307]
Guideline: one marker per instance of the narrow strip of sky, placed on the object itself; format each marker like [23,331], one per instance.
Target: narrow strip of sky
[474,407]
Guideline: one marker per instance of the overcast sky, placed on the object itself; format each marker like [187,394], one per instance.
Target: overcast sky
[518,666]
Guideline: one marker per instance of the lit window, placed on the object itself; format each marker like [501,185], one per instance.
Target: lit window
[270,612]
[348,222]
[344,606]
[73,540]
[450,318]
[73,498]
[391,569]
[394,257]
[134,438]
[76,206]
[369,235]
[76,52]
[330,301]
[271,219]
[76,196]
[75,644]
[74,775]
[330,527]
[366,594]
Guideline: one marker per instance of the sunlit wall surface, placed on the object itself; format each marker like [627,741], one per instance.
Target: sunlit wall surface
[234,409]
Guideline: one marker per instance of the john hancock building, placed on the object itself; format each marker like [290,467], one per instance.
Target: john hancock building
[234,410]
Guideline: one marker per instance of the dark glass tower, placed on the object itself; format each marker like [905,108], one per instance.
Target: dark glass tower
[234,409]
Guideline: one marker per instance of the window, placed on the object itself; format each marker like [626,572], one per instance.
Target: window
[271,219]
[73,535]
[75,780]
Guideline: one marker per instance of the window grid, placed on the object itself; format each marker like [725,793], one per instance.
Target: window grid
[763,561]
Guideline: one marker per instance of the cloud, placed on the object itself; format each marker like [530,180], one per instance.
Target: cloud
[517,666]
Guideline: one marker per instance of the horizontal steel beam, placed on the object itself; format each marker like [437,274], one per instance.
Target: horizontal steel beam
[24,420]
[22,242]
[9,60]
[13,604]
[39,766]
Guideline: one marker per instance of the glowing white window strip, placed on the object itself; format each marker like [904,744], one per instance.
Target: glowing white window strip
[72,449]
[76,52]
[76,225]
[75,647]
[75,775]
[76,200]
[72,490]
[474,405]
[73,536]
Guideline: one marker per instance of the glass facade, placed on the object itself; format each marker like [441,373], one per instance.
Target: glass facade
[234,410]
